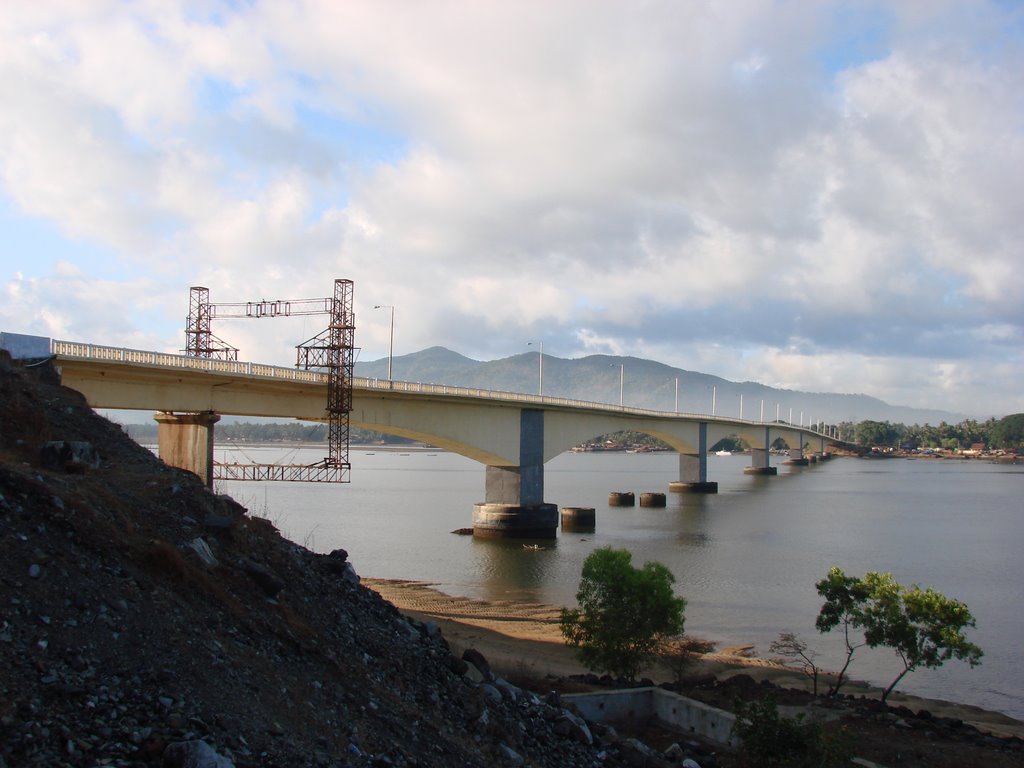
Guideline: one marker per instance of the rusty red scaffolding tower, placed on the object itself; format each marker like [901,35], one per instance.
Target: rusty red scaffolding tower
[330,351]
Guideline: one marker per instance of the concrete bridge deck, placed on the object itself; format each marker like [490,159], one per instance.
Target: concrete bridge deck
[512,434]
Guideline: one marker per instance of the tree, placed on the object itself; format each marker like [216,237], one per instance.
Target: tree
[680,652]
[924,627]
[844,600]
[790,646]
[623,614]
[882,433]
[1008,432]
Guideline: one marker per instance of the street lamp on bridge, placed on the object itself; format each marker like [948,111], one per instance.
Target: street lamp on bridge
[540,382]
[391,344]
[622,379]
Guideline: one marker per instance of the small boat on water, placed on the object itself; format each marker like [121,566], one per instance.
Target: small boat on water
[723,453]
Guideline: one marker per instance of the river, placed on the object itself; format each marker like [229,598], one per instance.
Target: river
[745,559]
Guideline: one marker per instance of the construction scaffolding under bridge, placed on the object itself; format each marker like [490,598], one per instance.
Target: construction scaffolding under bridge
[330,351]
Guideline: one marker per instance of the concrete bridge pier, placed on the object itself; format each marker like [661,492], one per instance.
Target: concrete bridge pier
[797,458]
[759,459]
[514,506]
[693,468]
[185,441]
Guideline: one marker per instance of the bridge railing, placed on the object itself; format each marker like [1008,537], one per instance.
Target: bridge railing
[167,360]
[83,351]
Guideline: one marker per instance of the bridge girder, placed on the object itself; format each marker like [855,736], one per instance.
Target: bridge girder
[478,428]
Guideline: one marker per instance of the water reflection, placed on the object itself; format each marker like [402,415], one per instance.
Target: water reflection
[513,570]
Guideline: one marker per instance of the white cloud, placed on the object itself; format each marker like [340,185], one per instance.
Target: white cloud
[684,179]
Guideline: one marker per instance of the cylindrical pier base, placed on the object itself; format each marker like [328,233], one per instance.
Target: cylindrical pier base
[579,519]
[708,486]
[801,462]
[621,499]
[510,521]
[652,499]
[760,470]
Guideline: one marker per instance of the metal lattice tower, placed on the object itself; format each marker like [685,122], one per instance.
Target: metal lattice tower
[199,340]
[330,351]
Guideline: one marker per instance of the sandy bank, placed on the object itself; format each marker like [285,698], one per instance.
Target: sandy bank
[525,638]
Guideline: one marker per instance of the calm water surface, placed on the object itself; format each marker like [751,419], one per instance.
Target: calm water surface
[745,559]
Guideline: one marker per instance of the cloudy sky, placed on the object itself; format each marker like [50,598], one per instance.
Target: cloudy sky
[825,196]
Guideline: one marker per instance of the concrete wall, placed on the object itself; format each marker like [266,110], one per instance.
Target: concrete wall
[642,704]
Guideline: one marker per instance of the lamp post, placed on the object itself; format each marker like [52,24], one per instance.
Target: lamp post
[391,344]
[714,393]
[622,379]
[540,382]
[677,394]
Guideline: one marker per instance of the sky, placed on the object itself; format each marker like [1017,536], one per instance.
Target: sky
[822,196]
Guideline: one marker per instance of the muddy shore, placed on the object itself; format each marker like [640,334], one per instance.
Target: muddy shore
[524,639]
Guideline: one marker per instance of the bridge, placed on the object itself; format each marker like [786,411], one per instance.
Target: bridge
[512,434]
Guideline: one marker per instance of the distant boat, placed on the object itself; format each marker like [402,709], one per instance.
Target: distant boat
[723,453]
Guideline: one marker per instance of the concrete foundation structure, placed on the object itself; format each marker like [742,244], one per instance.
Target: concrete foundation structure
[652,499]
[185,440]
[639,705]
[579,519]
[621,499]
[797,458]
[709,487]
[511,521]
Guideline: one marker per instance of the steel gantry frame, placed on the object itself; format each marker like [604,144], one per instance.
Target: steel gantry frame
[331,350]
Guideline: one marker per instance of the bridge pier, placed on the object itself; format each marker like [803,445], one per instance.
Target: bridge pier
[693,468]
[514,506]
[185,441]
[759,463]
[797,458]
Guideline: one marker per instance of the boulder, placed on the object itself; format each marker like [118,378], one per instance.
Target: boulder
[69,455]
[474,657]
[266,579]
[193,754]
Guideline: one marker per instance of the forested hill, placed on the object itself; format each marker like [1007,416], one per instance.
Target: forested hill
[644,384]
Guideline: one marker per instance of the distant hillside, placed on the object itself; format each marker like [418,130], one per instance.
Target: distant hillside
[645,384]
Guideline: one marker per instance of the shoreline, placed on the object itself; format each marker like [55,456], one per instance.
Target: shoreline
[525,638]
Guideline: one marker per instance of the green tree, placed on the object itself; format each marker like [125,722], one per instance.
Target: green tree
[1008,432]
[882,433]
[623,613]
[924,627]
[845,597]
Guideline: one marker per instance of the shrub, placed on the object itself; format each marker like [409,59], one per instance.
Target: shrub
[623,614]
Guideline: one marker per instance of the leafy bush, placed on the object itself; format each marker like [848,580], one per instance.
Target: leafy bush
[768,739]
[623,614]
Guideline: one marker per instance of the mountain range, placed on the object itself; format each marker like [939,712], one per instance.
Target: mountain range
[643,384]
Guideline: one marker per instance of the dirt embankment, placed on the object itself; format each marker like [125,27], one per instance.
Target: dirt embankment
[144,619]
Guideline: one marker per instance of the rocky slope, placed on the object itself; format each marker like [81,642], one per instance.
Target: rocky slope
[145,621]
